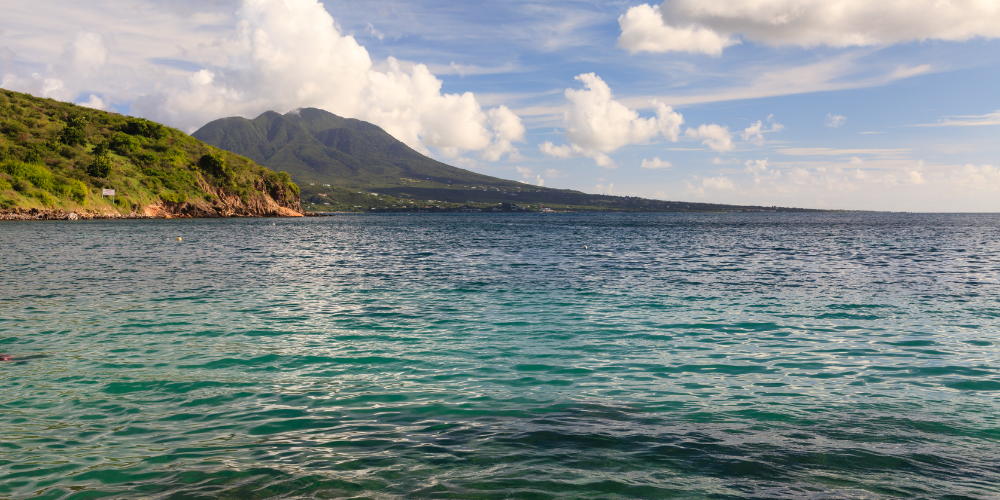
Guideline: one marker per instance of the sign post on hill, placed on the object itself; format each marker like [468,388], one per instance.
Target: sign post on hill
[108,192]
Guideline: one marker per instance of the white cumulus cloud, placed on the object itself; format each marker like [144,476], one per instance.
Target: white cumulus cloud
[716,137]
[656,163]
[721,183]
[94,102]
[756,166]
[644,30]
[597,124]
[708,26]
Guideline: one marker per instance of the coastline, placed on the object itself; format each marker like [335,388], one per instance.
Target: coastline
[151,212]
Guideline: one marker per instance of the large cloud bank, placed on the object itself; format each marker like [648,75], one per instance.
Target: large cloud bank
[282,55]
[709,26]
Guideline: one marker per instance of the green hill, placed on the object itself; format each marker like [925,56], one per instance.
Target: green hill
[57,157]
[338,162]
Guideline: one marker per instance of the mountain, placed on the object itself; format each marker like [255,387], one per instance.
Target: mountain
[57,158]
[317,147]
[338,161]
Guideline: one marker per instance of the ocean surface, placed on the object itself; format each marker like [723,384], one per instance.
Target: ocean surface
[495,356]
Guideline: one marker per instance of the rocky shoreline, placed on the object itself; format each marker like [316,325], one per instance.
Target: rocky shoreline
[152,212]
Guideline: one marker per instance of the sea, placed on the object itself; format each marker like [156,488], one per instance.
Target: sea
[502,356]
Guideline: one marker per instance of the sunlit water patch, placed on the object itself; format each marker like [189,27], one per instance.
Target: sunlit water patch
[502,356]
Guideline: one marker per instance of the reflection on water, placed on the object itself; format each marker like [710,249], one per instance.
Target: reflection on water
[493,356]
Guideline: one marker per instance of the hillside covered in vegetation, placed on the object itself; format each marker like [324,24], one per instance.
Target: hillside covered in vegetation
[58,158]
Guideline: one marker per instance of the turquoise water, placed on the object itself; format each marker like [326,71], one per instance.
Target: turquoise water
[494,356]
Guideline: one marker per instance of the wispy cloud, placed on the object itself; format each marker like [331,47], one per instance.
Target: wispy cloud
[844,72]
[835,121]
[472,69]
[879,153]
[966,121]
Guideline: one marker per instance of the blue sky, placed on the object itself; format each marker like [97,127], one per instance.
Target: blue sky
[825,104]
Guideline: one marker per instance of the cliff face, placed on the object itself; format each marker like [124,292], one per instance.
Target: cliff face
[57,159]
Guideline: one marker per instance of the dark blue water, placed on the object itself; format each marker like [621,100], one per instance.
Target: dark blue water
[502,356]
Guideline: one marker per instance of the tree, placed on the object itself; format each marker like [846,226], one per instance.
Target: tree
[101,166]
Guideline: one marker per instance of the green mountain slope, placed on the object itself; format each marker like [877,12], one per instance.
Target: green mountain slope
[332,158]
[59,157]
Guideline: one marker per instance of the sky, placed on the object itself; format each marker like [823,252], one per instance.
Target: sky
[835,104]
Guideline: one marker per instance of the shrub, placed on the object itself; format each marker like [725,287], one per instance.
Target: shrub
[78,121]
[31,156]
[5,185]
[176,158]
[44,197]
[33,174]
[281,180]
[73,136]
[146,159]
[101,166]
[172,197]
[278,179]
[6,202]
[215,165]
[13,128]
[71,188]
[144,128]
[123,143]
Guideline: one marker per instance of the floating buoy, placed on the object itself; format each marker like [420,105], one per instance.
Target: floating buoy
[6,357]
[585,247]
[178,238]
